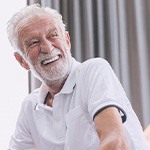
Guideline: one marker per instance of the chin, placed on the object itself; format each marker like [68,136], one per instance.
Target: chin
[59,73]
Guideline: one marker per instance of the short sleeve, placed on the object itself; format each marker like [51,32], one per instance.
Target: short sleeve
[102,88]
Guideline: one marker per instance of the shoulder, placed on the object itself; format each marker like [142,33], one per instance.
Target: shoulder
[91,70]
[93,64]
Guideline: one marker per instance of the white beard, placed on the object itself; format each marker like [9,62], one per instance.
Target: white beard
[54,75]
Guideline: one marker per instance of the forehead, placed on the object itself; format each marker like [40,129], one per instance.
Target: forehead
[39,23]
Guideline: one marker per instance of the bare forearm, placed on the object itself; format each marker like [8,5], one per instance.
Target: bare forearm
[109,128]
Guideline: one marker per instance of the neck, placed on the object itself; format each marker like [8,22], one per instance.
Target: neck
[55,86]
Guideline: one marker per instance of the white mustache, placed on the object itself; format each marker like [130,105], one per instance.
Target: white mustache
[54,53]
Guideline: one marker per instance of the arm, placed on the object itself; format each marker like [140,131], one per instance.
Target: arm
[147,135]
[21,138]
[110,130]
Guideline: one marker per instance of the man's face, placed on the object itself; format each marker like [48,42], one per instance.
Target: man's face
[45,47]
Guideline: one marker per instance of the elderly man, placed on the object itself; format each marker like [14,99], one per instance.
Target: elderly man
[79,106]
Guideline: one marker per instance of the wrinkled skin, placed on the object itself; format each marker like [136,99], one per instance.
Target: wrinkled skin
[46,49]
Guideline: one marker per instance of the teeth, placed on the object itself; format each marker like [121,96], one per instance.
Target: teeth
[50,60]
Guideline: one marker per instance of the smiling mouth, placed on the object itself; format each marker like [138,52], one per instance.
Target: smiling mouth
[51,60]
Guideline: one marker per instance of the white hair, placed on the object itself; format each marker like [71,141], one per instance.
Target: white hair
[26,13]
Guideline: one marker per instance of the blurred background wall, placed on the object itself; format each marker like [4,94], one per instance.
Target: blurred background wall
[13,78]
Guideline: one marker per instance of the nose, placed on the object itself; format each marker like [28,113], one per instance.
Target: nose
[46,46]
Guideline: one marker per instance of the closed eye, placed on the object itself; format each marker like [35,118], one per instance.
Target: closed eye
[33,43]
[53,35]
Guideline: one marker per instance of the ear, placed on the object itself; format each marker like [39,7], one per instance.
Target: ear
[21,61]
[68,39]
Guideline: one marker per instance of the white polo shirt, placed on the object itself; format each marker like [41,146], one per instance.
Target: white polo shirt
[68,125]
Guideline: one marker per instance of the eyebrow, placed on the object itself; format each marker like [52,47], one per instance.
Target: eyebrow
[51,30]
[36,37]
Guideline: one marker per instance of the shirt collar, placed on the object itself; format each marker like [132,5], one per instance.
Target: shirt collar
[71,80]
[68,86]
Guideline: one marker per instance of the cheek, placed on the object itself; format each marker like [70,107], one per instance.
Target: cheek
[64,47]
[62,44]
[33,54]
[33,59]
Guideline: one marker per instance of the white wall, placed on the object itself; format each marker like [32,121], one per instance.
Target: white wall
[13,78]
